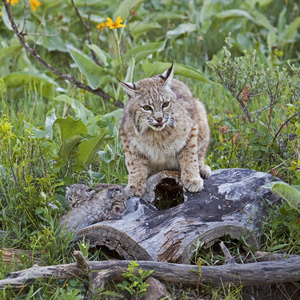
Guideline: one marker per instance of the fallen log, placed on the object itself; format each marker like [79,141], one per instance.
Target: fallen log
[167,222]
[260,273]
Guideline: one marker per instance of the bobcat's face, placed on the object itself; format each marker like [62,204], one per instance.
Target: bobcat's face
[154,111]
[150,103]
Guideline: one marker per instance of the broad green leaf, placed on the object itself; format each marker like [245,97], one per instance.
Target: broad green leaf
[10,51]
[67,146]
[285,191]
[130,70]
[70,127]
[111,120]
[41,82]
[166,15]
[151,69]
[262,20]
[181,29]
[124,8]
[281,21]
[136,28]
[234,13]
[87,150]
[92,71]
[102,55]
[86,116]
[141,52]
[291,30]
[50,119]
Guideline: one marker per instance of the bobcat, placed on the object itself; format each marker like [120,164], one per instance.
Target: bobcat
[163,128]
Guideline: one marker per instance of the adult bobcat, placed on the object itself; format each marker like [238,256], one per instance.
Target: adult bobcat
[163,128]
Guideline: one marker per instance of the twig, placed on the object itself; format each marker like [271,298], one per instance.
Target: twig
[63,76]
[229,260]
[282,125]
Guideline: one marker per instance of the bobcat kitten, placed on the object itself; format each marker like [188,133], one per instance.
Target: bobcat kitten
[163,128]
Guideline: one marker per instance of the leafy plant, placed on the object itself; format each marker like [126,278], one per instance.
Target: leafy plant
[136,285]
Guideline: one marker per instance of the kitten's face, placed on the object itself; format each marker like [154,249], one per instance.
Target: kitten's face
[151,102]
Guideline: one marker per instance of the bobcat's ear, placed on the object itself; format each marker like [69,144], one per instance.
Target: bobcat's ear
[129,88]
[167,76]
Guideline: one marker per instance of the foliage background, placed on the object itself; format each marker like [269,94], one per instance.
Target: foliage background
[53,134]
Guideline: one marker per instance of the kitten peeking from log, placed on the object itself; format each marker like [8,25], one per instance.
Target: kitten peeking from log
[91,205]
[163,128]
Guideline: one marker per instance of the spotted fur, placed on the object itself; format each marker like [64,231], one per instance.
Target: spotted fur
[163,128]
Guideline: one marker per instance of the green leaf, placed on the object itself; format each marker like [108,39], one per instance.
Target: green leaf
[87,150]
[281,21]
[181,29]
[130,70]
[92,71]
[102,55]
[151,69]
[141,52]
[50,119]
[10,51]
[34,132]
[234,13]
[262,20]
[124,8]
[278,247]
[111,120]
[290,31]
[70,127]
[66,147]
[41,82]
[285,191]
[86,116]
[137,28]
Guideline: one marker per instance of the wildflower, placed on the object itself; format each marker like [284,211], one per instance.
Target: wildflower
[101,26]
[113,25]
[0,11]
[12,2]
[5,129]
[34,4]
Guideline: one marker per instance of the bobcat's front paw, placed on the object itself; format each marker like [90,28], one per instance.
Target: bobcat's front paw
[134,191]
[193,185]
[205,171]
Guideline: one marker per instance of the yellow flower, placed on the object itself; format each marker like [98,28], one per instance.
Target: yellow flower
[113,25]
[101,26]
[0,11]
[12,2]
[34,4]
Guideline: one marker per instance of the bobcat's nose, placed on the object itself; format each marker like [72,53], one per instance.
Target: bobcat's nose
[158,120]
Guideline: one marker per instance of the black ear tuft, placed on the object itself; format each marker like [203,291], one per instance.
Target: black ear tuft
[168,75]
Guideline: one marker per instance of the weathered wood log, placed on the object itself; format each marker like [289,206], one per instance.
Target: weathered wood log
[261,273]
[233,202]
[13,256]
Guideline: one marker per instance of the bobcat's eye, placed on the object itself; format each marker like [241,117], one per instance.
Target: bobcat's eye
[165,104]
[146,107]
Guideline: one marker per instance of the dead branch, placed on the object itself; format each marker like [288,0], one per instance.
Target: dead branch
[260,273]
[63,76]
